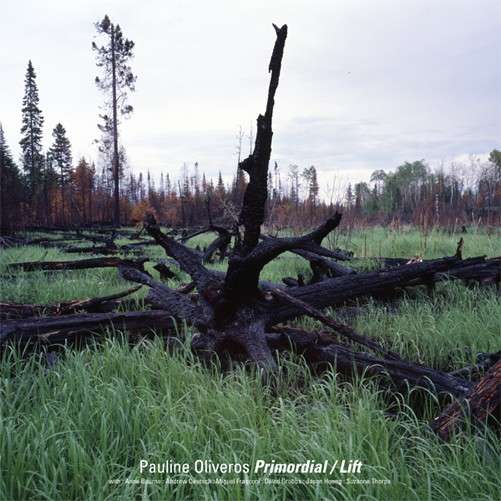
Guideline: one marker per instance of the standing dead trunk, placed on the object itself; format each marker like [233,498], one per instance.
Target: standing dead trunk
[256,165]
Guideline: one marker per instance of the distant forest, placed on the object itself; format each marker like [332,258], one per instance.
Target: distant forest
[47,188]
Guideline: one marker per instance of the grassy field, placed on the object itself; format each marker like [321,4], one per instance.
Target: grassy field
[79,429]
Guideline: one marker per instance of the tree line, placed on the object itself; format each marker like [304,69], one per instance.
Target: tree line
[47,188]
[417,194]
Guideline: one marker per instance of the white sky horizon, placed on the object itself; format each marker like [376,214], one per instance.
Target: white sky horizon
[365,85]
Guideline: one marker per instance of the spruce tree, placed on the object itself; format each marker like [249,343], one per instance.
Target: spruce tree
[31,131]
[220,189]
[60,153]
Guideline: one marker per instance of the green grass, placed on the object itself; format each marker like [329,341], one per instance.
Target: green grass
[65,432]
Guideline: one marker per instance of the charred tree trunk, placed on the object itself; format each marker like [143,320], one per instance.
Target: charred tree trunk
[321,351]
[252,213]
[481,404]
[67,327]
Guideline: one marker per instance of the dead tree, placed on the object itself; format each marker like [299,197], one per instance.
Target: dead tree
[235,309]
[99,262]
[93,305]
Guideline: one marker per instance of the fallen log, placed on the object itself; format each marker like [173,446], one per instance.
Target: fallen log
[337,291]
[99,262]
[93,305]
[6,242]
[103,249]
[488,271]
[480,404]
[52,242]
[319,351]
[67,327]
[321,266]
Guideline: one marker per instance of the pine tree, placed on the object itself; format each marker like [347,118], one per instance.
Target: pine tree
[60,153]
[31,131]
[117,80]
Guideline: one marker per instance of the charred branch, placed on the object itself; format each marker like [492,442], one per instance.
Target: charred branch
[343,330]
[242,277]
[189,260]
[221,244]
[162,297]
[165,272]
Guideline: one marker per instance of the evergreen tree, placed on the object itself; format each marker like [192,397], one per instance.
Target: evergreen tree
[310,176]
[50,184]
[220,189]
[349,196]
[31,131]
[117,79]
[239,187]
[168,186]
[84,185]
[294,191]
[11,189]
[60,153]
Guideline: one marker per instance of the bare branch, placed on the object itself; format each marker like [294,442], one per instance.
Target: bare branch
[342,329]
[189,260]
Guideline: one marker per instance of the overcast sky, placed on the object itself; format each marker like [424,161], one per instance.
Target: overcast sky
[365,84]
